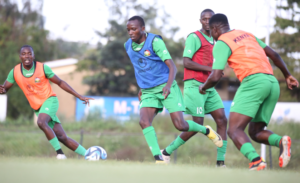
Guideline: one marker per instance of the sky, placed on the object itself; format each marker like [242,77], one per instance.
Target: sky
[77,20]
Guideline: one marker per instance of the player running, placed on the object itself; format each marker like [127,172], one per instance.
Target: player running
[155,72]
[197,61]
[256,98]
[33,79]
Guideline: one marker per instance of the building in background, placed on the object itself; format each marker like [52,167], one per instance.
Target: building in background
[65,69]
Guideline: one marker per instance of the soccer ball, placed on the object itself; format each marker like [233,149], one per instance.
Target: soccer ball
[95,153]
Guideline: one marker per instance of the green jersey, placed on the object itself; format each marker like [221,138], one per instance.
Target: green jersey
[28,73]
[159,48]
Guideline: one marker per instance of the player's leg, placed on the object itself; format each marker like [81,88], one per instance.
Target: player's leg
[215,107]
[146,117]
[175,105]
[45,115]
[179,141]
[67,141]
[257,127]
[221,122]
[245,106]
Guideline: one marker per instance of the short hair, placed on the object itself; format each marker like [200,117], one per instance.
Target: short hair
[206,10]
[26,46]
[218,18]
[139,19]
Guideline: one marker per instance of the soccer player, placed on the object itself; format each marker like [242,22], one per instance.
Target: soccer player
[197,61]
[155,73]
[256,98]
[33,78]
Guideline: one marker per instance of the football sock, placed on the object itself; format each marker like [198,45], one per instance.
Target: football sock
[195,127]
[158,157]
[80,150]
[221,151]
[151,139]
[59,151]
[248,151]
[256,159]
[174,145]
[55,143]
[165,153]
[274,140]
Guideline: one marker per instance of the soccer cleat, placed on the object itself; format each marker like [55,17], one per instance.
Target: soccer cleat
[216,138]
[285,151]
[220,164]
[160,162]
[258,165]
[61,156]
[166,158]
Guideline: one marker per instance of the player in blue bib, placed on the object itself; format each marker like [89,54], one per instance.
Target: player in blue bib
[155,72]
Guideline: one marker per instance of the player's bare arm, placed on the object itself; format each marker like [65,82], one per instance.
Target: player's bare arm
[63,85]
[172,74]
[211,81]
[5,87]
[290,80]
[189,64]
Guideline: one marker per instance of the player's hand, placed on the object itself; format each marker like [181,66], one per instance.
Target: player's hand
[201,89]
[2,89]
[291,82]
[166,91]
[139,95]
[85,100]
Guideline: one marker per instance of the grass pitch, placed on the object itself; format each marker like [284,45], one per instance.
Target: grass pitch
[49,170]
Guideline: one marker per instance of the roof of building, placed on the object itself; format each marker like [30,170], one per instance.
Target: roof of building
[61,62]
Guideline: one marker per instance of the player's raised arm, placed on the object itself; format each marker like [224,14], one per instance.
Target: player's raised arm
[290,80]
[65,86]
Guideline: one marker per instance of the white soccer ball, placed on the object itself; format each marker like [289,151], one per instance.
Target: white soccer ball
[95,153]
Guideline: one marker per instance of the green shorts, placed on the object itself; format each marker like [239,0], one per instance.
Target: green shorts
[197,104]
[257,97]
[153,97]
[50,107]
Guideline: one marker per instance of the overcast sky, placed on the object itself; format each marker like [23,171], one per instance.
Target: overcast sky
[76,20]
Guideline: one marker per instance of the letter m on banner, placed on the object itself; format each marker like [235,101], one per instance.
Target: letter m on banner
[120,107]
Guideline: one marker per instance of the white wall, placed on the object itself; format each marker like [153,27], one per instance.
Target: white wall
[3,107]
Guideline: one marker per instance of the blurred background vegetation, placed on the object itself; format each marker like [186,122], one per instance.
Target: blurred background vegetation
[113,72]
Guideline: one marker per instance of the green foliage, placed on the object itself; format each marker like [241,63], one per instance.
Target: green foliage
[287,44]
[114,73]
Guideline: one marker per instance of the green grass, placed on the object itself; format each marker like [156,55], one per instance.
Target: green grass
[126,142]
[49,170]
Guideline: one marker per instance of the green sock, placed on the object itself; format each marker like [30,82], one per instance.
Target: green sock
[195,127]
[274,140]
[174,145]
[221,151]
[248,151]
[80,150]
[151,139]
[55,143]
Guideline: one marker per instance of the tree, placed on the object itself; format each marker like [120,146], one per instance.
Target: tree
[285,40]
[114,73]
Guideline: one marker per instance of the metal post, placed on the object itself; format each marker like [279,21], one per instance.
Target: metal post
[81,140]
[175,152]
[270,157]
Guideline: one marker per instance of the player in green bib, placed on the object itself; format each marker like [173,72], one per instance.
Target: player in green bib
[151,59]
[47,120]
[197,59]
